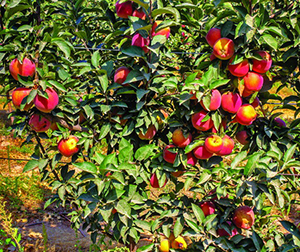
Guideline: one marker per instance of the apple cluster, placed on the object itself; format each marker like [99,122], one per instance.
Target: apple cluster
[38,121]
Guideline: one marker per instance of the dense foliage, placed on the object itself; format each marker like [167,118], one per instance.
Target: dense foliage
[77,46]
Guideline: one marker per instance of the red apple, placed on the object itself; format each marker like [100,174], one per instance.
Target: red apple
[223,232]
[243,217]
[242,137]
[140,41]
[124,9]
[215,101]
[255,103]
[139,13]
[253,81]
[201,152]
[223,48]
[208,207]
[191,159]
[180,139]
[27,68]
[199,124]
[246,115]
[213,143]
[150,133]
[213,35]
[47,105]
[121,75]
[231,102]
[239,69]
[263,65]
[39,123]
[68,147]
[165,31]
[18,95]
[228,145]
[154,181]
[168,155]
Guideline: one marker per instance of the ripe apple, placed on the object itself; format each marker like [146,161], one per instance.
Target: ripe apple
[263,65]
[223,232]
[154,181]
[39,123]
[165,31]
[213,35]
[228,145]
[197,121]
[140,41]
[243,217]
[164,245]
[124,10]
[168,155]
[253,81]
[231,102]
[68,147]
[139,13]
[191,159]
[213,143]
[255,103]
[239,69]
[242,137]
[223,49]
[47,105]
[121,75]
[215,101]
[201,152]
[207,207]
[179,243]
[246,115]
[180,139]
[18,95]
[27,68]
[150,133]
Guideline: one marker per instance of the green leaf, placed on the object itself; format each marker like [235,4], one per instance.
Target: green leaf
[63,45]
[32,164]
[238,158]
[124,208]
[104,82]
[289,153]
[133,51]
[270,40]
[218,83]
[251,164]
[291,228]
[178,227]
[146,248]
[144,152]
[198,213]
[167,10]
[133,76]
[140,93]
[58,85]
[104,130]
[86,166]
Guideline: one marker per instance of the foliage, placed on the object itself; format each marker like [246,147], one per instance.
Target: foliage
[71,42]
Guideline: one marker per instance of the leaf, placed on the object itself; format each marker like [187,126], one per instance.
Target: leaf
[124,208]
[86,166]
[133,51]
[198,213]
[104,130]
[291,228]
[289,153]
[258,242]
[178,227]
[32,164]
[146,248]
[58,85]
[62,45]
[218,83]
[167,10]
[144,152]
[238,158]
[95,59]
[140,93]
[270,40]
[251,164]
[133,76]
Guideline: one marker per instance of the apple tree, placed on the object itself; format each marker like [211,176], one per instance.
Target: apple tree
[143,139]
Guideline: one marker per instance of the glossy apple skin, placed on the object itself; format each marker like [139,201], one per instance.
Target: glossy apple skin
[39,123]
[154,181]
[191,159]
[168,155]
[242,136]
[124,10]
[121,75]
[197,121]
[18,95]
[179,243]
[208,207]
[213,143]
[47,105]
[228,145]
[140,41]
[255,103]
[215,101]
[68,147]
[202,153]
[164,245]
[223,49]
[223,232]
[253,81]
[150,133]
[213,35]
[140,14]
[279,122]
[165,31]
[231,102]
[180,140]
[263,65]
[240,69]
[27,68]
[246,114]
[243,217]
